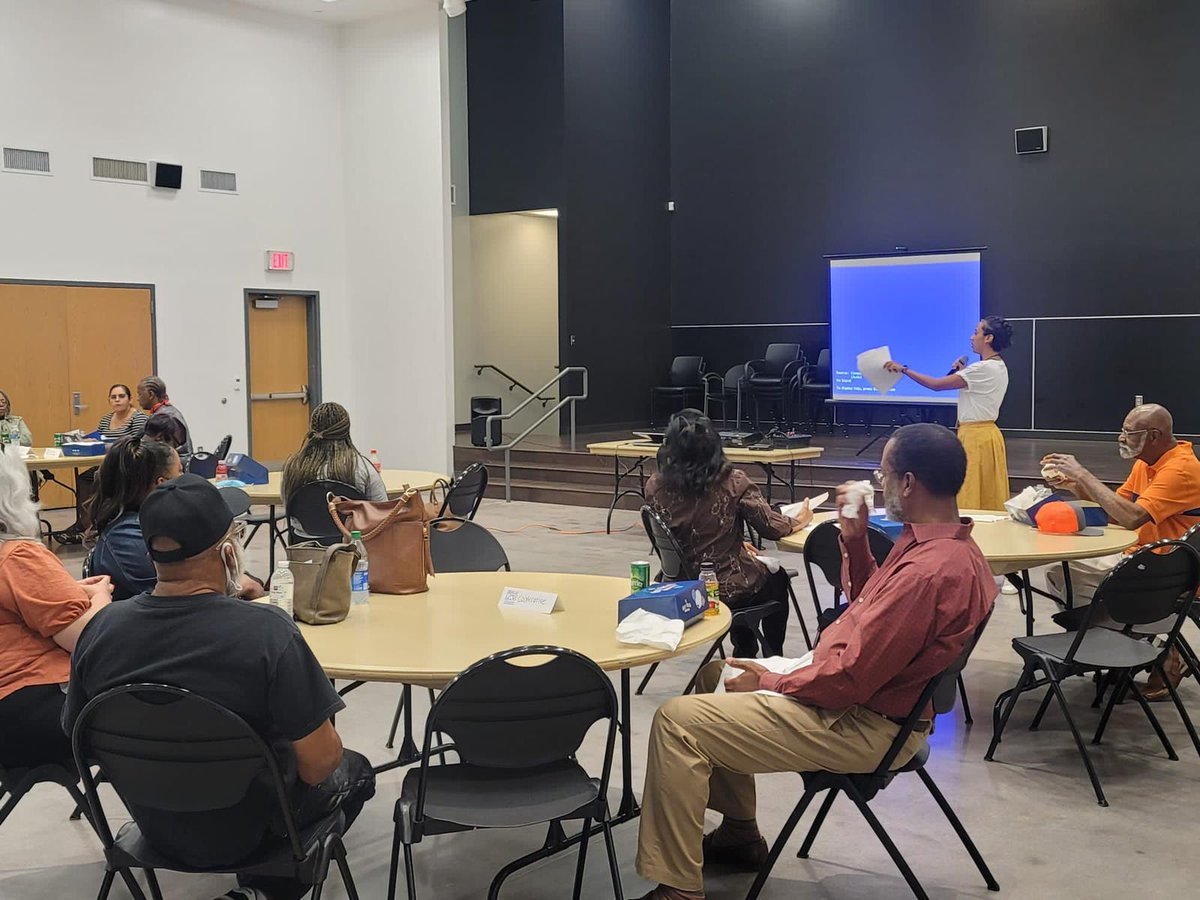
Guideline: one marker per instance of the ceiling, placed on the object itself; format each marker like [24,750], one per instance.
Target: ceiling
[339,11]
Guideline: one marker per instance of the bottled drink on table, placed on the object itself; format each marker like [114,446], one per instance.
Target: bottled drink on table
[283,588]
[222,470]
[375,461]
[708,574]
[360,585]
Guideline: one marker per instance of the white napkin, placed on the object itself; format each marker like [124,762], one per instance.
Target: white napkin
[793,509]
[858,493]
[651,629]
[23,452]
[779,665]
[770,562]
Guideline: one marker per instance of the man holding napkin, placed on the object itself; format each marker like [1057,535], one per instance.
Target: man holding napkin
[906,622]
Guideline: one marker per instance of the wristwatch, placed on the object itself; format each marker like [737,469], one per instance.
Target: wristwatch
[904,369]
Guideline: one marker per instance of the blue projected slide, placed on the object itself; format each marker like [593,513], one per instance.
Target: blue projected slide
[923,307]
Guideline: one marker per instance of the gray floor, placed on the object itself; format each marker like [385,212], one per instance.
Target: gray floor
[1031,812]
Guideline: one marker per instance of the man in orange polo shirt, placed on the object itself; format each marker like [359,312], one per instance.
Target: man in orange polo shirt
[1160,500]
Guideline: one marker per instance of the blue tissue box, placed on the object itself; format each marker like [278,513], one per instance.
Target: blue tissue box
[890,527]
[684,600]
[246,469]
[84,448]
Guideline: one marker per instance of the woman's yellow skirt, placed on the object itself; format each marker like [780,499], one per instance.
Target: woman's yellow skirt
[986,486]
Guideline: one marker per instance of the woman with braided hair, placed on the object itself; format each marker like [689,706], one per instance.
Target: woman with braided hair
[328,454]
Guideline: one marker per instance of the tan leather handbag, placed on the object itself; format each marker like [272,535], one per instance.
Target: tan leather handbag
[433,508]
[322,595]
[396,536]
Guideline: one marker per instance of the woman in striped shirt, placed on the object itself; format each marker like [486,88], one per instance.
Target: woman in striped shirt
[125,420]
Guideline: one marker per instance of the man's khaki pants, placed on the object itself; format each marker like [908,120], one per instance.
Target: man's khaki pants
[705,750]
[1086,575]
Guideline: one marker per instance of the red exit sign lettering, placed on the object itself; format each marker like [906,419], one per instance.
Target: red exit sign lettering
[280,260]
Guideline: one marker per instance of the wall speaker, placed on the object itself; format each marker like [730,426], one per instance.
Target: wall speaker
[1032,140]
[167,175]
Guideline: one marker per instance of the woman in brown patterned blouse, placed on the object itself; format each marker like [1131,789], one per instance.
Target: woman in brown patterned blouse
[705,501]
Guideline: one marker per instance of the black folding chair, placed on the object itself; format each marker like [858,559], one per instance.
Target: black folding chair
[1156,582]
[173,751]
[15,783]
[516,729]
[686,385]
[823,551]
[466,492]
[455,545]
[862,787]
[675,567]
[308,512]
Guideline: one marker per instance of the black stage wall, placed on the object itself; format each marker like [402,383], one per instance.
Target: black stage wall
[809,127]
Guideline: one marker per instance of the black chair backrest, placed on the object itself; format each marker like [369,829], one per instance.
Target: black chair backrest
[505,713]
[823,550]
[1146,586]
[309,507]
[671,557]
[167,749]
[203,464]
[734,378]
[466,493]
[237,500]
[779,355]
[460,545]
[819,373]
[941,691]
[687,371]
[223,447]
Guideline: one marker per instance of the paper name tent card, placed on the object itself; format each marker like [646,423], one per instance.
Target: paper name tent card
[870,363]
[527,600]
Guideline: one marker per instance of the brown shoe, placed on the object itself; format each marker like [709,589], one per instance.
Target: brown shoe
[747,857]
[662,892]
[1156,689]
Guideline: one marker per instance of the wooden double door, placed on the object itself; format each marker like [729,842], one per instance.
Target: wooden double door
[62,346]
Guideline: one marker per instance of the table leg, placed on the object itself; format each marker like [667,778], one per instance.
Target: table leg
[628,808]
[769,471]
[619,476]
[1028,602]
[792,479]
[409,753]
[271,539]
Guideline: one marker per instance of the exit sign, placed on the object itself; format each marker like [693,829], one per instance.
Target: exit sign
[280,260]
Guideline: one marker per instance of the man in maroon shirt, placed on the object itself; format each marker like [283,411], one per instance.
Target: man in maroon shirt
[905,623]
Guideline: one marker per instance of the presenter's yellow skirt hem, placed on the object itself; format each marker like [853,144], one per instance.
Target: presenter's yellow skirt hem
[986,486]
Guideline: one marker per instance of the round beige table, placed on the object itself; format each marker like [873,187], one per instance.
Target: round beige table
[1011,548]
[396,481]
[35,460]
[426,639]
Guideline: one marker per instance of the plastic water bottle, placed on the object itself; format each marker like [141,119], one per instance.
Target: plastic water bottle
[375,461]
[222,470]
[283,588]
[708,574]
[360,584]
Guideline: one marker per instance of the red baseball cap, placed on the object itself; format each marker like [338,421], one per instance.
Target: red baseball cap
[1063,517]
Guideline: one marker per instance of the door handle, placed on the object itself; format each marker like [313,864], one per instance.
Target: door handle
[76,404]
[301,395]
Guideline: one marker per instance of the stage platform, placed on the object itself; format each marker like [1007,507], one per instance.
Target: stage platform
[546,470]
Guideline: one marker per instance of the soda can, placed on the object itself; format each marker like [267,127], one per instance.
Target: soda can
[58,439]
[639,575]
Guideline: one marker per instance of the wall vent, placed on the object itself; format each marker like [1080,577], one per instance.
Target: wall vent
[221,182]
[36,162]
[119,170]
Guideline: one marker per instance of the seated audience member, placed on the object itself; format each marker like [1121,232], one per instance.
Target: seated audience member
[123,420]
[119,422]
[132,468]
[907,622]
[248,657]
[328,454]
[167,421]
[705,501]
[42,612]
[10,424]
[1160,500]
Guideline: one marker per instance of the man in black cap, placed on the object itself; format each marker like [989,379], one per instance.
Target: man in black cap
[249,657]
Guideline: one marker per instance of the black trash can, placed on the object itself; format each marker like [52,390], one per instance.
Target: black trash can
[481,408]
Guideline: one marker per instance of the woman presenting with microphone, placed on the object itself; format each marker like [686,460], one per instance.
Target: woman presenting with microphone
[981,388]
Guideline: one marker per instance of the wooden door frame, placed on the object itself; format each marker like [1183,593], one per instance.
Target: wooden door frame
[312,305]
[126,285]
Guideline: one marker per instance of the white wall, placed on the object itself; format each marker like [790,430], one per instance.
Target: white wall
[271,97]
[206,85]
[394,131]
[513,310]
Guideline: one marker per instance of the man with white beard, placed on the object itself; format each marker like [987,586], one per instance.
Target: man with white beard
[1160,500]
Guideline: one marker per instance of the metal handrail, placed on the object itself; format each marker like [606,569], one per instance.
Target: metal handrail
[507,448]
[479,367]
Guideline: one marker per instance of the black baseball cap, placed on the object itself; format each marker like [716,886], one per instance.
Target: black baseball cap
[189,511]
